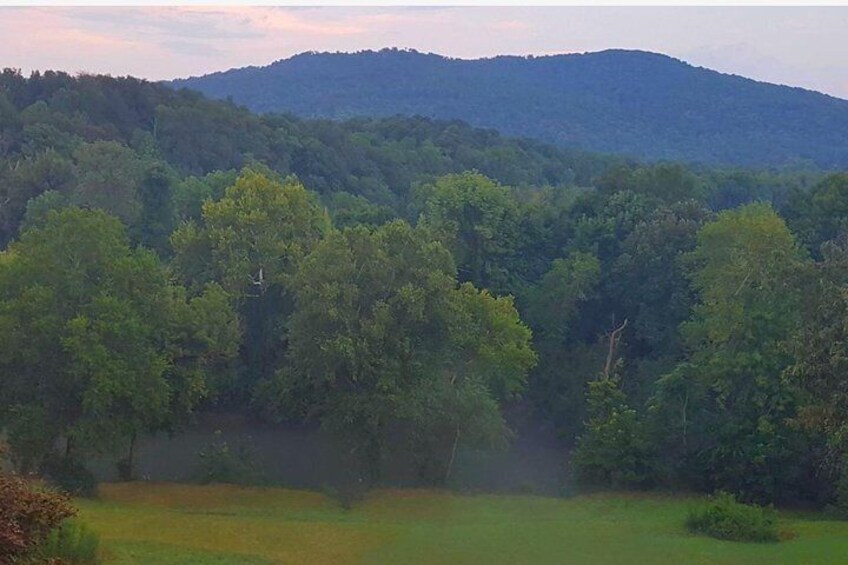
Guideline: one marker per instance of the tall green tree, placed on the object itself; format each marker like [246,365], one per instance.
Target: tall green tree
[252,241]
[820,348]
[156,216]
[746,270]
[96,346]
[648,279]
[555,308]
[478,220]
[382,337]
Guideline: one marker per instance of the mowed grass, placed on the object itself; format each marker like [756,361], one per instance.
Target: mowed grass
[222,524]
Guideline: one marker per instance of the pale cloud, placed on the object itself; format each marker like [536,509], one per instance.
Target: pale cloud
[511,25]
[192,48]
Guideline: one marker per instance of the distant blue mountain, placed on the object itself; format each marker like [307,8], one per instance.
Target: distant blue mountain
[636,103]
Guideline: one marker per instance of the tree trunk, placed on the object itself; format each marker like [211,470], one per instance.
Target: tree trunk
[131,459]
[452,455]
[614,337]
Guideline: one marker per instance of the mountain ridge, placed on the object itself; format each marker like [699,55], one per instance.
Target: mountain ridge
[528,57]
[637,103]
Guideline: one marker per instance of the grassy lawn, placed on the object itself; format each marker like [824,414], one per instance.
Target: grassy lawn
[188,524]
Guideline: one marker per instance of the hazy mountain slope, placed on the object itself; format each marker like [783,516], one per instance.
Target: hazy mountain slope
[642,104]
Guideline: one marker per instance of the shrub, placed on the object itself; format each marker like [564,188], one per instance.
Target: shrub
[71,543]
[219,463]
[70,476]
[724,518]
[347,494]
[614,449]
[28,515]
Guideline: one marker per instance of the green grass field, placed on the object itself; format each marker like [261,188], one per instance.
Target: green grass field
[187,524]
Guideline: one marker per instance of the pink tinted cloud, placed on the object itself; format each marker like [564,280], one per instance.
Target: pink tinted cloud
[265,20]
[50,29]
[37,38]
[162,42]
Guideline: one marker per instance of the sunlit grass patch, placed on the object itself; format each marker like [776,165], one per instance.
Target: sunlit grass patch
[128,553]
[207,497]
[225,524]
[275,524]
[401,505]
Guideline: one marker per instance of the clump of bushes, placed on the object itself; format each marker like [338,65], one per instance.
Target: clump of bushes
[72,543]
[722,517]
[28,515]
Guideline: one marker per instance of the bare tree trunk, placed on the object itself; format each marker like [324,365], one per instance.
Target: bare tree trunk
[614,337]
[131,459]
[452,455]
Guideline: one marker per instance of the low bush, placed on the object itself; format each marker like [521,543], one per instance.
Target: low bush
[347,494]
[70,476]
[28,515]
[722,517]
[220,463]
[72,543]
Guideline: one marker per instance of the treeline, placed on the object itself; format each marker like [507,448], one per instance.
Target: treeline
[54,113]
[677,327]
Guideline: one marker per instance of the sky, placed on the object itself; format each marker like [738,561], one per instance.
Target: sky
[805,47]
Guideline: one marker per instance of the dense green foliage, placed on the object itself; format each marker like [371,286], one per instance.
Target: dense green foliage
[382,336]
[637,103]
[410,286]
[615,449]
[73,136]
[69,475]
[97,344]
[723,518]
[746,268]
[72,543]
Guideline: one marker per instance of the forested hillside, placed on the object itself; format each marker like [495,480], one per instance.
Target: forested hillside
[636,103]
[405,283]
